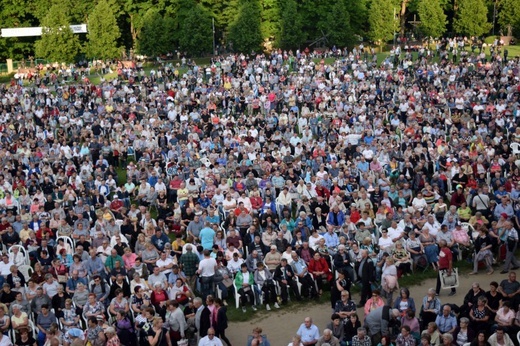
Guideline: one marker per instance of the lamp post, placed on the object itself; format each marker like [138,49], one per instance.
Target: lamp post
[494,15]
[213,28]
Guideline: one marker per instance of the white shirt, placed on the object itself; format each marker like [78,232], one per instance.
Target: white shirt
[206,341]
[207,267]
[5,268]
[163,263]
[384,243]
[18,259]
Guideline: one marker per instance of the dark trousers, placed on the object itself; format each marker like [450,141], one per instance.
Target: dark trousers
[206,286]
[366,292]
[246,295]
[269,293]
[221,334]
[308,286]
[285,292]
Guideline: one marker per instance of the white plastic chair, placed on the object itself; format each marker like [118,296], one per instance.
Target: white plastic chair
[237,295]
[34,329]
[516,148]
[69,241]
[26,271]
[469,228]
[130,152]
[22,251]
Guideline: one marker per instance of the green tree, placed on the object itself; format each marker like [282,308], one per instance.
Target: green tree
[509,17]
[195,33]
[77,11]
[433,18]
[13,14]
[471,18]
[151,38]
[103,33]
[134,12]
[358,14]
[270,14]
[381,21]
[57,43]
[244,32]
[336,24]
[291,33]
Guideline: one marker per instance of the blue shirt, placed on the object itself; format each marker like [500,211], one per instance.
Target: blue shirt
[95,266]
[445,324]
[308,334]
[298,267]
[206,236]
[331,240]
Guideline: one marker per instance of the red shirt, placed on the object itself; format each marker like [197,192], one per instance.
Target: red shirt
[445,257]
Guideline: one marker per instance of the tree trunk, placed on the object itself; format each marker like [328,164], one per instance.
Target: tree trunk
[133,31]
[402,16]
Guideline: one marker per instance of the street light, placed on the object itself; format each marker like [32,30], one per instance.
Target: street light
[494,15]
[213,28]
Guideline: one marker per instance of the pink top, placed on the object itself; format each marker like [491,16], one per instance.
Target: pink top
[129,260]
[460,236]
[504,317]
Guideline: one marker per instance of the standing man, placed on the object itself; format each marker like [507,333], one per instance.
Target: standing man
[189,263]
[445,263]
[207,236]
[202,318]
[511,245]
[379,321]
[308,332]
[366,271]
[206,271]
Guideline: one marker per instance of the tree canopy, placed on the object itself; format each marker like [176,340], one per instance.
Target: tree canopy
[103,33]
[471,18]
[157,27]
[58,43]
[433,18]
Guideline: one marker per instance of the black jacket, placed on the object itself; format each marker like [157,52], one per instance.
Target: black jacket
[278,273]
[222,320]
[368,272]
[205,322]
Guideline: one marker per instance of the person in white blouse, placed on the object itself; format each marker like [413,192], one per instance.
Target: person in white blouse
[419,203]
[385,241]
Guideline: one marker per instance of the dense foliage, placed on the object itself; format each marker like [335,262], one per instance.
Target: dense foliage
[158,27]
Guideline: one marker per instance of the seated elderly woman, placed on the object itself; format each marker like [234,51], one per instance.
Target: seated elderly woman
[158,298]
[402,258]
[431,306]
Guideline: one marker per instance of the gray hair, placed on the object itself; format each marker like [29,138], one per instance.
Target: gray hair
[197,299]
[447,336]
[327,332]
[432,290]
[464,319]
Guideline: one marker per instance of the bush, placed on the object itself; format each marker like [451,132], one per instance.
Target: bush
[490,39]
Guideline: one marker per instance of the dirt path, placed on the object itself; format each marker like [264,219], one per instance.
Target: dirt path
[281,325]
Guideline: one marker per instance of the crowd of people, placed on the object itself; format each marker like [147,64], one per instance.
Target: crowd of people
[146,203]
